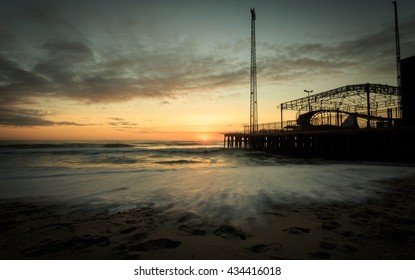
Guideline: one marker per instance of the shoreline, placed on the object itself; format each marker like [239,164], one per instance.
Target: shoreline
[380,228]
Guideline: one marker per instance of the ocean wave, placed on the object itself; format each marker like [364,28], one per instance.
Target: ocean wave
[121,160]
[113,154]
[73,148]
[66,149]
[118,145]
[64,145]
[188,151]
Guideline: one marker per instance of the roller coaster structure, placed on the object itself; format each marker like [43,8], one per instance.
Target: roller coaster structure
[365,101]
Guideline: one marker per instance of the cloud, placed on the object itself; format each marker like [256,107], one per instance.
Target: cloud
[64,66]
[72,70]
[16,83]
[112,65]
[44,15]
[7,39]
[120,122]
[122,59]
[48,19]
[372,55]
[29,118]
[148,66]
[139,130]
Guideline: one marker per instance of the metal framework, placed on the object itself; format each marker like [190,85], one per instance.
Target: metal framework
[351,98]
[398,47]
[253,85]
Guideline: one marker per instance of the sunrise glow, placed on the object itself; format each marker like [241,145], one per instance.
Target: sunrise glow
[135,70]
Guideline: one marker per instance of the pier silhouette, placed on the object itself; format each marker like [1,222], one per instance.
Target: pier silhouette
[371,122]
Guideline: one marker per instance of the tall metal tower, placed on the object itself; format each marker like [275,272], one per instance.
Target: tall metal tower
[253,124]
[398,48]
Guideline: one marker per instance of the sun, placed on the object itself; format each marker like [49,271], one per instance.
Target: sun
[203,138]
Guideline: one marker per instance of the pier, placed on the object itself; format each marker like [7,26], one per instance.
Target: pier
[381,144]
[368,122]
[365,122]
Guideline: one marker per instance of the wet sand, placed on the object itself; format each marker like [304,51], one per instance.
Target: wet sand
[380,228]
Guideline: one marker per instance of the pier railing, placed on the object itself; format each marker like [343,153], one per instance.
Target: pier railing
[272,127]
[378,118]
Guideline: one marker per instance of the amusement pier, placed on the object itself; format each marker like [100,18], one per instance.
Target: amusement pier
[368,122]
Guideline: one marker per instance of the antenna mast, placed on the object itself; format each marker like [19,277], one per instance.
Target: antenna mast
[398,49]
[253,124]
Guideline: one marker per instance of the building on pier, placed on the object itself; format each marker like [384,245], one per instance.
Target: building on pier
[356,122]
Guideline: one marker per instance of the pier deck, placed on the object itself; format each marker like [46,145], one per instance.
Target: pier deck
[380,144]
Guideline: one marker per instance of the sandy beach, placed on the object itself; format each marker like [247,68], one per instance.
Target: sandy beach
[382,227]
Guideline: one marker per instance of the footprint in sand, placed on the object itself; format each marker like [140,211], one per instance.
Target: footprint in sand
[157,244]
[192,231]
[186,217]
[319,255]
[128,230]
[262,248]
[330,225]
[139,236]
[345,233]
[230,232]
[327,245]
[348,249]
[297,230]
[277,214]
[77,242]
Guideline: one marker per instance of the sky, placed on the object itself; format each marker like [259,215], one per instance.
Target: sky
[180,70]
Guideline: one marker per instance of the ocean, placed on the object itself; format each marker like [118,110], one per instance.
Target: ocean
[199,178]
